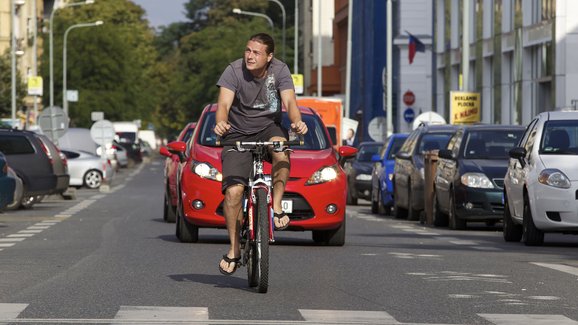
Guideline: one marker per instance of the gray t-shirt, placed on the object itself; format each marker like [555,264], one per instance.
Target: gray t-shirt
[257,102]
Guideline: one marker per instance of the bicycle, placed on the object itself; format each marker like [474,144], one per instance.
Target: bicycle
[257,226]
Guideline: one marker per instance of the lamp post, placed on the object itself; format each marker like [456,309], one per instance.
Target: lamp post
[256,14]
[64,99]
[283,30]
[51,44]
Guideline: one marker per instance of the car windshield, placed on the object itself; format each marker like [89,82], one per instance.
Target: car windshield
[560,138]
[367,151]
[315,139]
[434,141]
[395,146]
[490,144]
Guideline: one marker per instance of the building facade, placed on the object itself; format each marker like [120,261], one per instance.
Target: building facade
[520,56]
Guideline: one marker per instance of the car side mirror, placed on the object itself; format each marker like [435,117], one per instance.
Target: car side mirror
[165,152]
[178,148]
[519,153]
[376,159]
[403,155]
[446,154]
[346,153]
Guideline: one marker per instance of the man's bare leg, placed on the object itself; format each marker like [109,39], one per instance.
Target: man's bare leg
[233,210]
[280,171]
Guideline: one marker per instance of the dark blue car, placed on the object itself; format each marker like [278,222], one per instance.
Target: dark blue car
[382,174]
[7,184]
[358,172]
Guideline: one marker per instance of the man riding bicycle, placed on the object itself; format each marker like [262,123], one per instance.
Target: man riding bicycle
[249,109]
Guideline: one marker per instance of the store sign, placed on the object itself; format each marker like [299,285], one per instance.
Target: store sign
[465,107]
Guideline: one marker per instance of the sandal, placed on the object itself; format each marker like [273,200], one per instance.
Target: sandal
[236,260]
[280,216]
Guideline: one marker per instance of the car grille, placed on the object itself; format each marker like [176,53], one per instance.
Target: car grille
[301,208]
[497,207]
[499,182]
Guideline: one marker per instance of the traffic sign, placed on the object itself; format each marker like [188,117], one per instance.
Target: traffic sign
[102,132]
[53,122]
[409,98]
[408,114]
[298,83]
[35,86]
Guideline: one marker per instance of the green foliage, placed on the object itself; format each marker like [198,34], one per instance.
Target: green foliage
[6,86]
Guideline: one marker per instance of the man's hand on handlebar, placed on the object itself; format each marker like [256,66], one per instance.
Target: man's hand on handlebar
[299,127]
[221,128]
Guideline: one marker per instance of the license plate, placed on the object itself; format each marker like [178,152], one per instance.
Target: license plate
[287,206]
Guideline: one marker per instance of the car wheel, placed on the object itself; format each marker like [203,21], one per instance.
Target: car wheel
[398,211]
[318,236]
[27,202]
[531,236]
[350,199]
[412,214]
[512,231]
[169,213]
[336,237]
[18,193]
[186,232]
[439,218]
[455,222]
[375,198]
[381,209]
[92,179]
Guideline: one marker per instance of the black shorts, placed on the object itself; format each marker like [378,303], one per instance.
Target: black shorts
[237,166]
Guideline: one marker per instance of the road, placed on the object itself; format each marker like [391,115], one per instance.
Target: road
[108,258]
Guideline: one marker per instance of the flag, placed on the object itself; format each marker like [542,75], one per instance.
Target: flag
[415,45]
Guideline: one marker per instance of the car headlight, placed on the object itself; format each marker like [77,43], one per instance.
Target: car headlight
[325,174]
[363,177]
[205,170]
[554,177]
[476,180]
[390,177]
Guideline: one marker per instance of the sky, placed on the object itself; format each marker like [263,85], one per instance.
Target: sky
[163,12]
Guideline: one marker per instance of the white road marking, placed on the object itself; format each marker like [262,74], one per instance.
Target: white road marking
[464,242]
[38,227]
[62,216]
[529,319]
[8,240]
[487,248]
[428,233]
[344,316]
[11,311]
[33,231]
[20,235]
[7,245]
[559,267]
[161,314]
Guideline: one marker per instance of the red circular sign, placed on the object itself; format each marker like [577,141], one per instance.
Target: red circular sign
[408,98]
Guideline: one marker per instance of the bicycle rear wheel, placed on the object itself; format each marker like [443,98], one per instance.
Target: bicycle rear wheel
[258,264]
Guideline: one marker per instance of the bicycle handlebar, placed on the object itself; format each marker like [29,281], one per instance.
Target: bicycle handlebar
[299,142]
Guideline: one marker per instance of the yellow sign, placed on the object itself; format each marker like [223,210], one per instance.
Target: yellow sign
[35,86]
[465,107]
[298,82]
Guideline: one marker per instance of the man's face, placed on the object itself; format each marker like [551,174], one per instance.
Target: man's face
[256,56]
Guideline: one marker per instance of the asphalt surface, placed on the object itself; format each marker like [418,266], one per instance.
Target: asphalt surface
[109,258]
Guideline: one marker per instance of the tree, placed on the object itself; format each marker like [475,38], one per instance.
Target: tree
[6,86]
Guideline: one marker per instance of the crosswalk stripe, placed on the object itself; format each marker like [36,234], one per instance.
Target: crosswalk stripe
[528,319]
[347,316]
[162,314]
[559,267]
[11,311]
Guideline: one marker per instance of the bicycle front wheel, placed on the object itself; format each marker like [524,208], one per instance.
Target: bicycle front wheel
[258,265]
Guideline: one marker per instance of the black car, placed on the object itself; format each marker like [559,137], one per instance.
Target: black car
[37,162]
[359,170]
[408,179]
[469,180]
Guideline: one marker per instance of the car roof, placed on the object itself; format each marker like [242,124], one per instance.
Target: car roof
[494,127]
[437,127]
[302,109]
[561,115]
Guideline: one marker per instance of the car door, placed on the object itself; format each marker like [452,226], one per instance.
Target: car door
[445,172]
[403,169]
[517,170]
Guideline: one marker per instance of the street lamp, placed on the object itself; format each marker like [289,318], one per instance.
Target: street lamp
[256,14]
[64,97]
[51,45]
[283,12]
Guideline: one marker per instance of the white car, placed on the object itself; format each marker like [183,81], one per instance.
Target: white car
[541,184]
[87,169]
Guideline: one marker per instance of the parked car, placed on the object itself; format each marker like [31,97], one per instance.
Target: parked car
[315,193]
[358,172]
[382,174]
[170,173]
[408,176]
[87,169]
[18,191]
[116,154]
[7,184]
[541,184]
[36,162]
[469,180]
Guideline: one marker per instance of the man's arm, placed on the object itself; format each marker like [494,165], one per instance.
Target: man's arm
[290,102]
[226,97]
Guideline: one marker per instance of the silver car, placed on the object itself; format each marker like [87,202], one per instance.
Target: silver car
[87,169]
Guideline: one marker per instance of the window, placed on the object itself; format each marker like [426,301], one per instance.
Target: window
[560,138]
[491,144]
[15,145]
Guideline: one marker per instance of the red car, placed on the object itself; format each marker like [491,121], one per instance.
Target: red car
[314,196]
[171,166]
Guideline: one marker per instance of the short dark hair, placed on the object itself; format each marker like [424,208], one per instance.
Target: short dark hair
[264,39]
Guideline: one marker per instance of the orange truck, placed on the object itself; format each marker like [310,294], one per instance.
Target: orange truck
[330,110]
